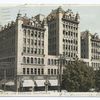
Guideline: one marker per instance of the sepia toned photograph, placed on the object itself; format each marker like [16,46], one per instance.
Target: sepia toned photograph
[49,50]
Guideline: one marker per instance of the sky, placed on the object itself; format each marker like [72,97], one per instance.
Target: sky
[89,14]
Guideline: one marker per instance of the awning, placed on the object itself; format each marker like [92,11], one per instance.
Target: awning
[10,83]
[53,82]
[40,82]
[3,81]
[28,83]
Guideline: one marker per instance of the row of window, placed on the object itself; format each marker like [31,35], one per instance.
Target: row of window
[33,42]
[52,26]
[35,24]
[34,71]
[31,60]
[69,33]
[94,50]
[69,54]
[52,71]
[8,60]
[56,61]
[70,27]
[71,24]
[33,33]
[95,44]
[70,47]
[39,71]
[70,41]
[95,64]
[27,60]
[52,61]
[69,17]
[33,50]
[97,57]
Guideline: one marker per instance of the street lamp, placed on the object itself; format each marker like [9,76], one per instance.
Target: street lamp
[46,84]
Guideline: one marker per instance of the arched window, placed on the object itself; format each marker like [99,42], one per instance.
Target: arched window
[24,60]
[35,60]
[28,60]
[32,60]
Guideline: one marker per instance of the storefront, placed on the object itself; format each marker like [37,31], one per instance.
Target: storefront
[27,85]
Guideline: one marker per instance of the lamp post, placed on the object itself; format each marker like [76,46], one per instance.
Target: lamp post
[46,84]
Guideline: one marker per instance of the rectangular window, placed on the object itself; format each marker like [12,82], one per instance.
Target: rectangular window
[28,50]
[35,42]
[32,50]
[39,51]
[35,51]
[28,41]
[63,25]
[27,70]
[38,71]
[23,70]
[24,49]
[48,71]
[36,34]
[24,32]
[39,34]
[42,51]
[51,71]
[32,33]
[39,42]
[48,61]
[55,62]
[55,71]
[24,40]
[42,43]
[42,71]
[42,35]
[76,35]
[31,41]
[31,70]
[35,71]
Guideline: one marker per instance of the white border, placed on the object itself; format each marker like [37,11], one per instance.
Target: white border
[3,2]
[50,1]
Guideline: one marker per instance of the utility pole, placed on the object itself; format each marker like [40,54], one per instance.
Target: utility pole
[60,73]
[4,79]
[60,68]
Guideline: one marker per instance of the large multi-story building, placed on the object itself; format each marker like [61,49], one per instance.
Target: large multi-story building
[30,48]
[90,49]
[63,33]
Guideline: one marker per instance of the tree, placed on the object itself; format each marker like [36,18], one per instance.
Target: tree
[78,77]
[97,79]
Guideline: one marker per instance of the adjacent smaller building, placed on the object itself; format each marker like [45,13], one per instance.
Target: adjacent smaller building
[90,49]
